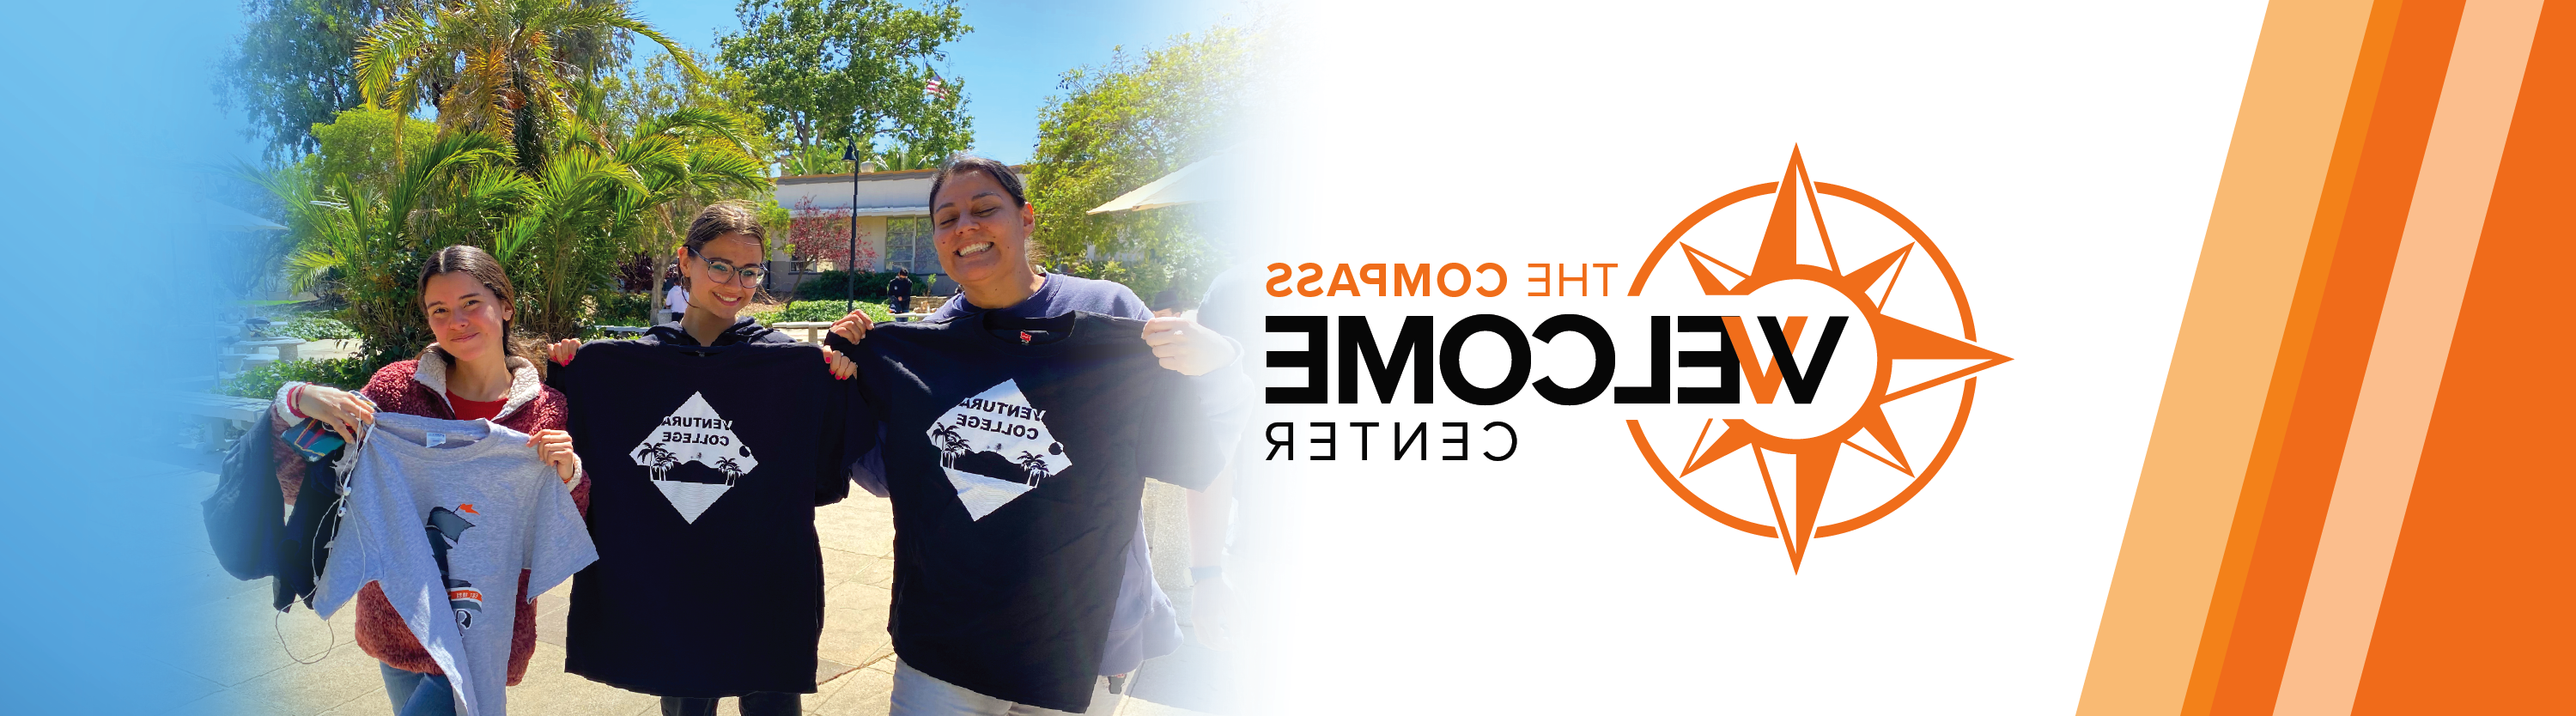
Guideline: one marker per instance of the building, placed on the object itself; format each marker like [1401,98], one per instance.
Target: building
[893,214]
[893,211]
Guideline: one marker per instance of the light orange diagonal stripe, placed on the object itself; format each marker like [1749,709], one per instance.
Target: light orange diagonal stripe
[2399,388]
[2242,294]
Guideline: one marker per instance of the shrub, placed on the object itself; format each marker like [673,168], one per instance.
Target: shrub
[263,381]
[628,309]
[317,328]
[831,285]
[819,311]
[635,275]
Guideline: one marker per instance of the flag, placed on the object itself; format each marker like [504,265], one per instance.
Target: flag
[933,89]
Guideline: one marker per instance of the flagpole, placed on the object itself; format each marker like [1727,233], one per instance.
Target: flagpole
[850,261]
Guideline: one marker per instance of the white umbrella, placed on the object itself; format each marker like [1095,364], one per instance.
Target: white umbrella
[1202,180]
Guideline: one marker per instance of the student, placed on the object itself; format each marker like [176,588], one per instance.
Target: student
[899,293]
[676,301]
[981,220]
[471,373]
[720,261]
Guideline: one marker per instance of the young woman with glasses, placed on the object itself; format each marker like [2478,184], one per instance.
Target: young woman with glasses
[721,269]
[720,265]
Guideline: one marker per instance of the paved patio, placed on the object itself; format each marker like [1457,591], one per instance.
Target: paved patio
[298,665]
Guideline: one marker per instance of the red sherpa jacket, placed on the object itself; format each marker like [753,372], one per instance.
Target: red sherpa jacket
[419,387]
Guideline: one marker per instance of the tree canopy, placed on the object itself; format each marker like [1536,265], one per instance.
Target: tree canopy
[503,66]
[1120,126]
[825,71]
[360,144]
[291,68]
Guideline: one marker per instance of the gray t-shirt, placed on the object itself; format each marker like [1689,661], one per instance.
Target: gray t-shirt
[444,514]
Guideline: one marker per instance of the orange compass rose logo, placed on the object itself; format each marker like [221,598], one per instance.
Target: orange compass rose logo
[1903,376]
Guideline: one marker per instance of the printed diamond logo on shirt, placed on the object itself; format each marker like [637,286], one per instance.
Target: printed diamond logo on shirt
[694,433]
[995,447]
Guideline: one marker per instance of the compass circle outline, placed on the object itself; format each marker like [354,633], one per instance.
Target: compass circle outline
[1967,330]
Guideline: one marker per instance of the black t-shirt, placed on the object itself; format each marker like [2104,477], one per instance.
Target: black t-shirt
[900,287]
[705,467]
[1016,457]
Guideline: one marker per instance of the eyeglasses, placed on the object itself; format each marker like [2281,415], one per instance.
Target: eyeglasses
[724,272]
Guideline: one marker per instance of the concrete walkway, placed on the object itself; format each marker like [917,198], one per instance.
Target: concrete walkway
[296,664]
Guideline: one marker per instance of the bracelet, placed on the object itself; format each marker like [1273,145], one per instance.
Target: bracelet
[294,399]
[1204,574]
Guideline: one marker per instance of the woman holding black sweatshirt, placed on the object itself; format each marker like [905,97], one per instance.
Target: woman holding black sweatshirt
[720,265]
[981,222]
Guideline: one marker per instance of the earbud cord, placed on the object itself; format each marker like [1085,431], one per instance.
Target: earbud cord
[338,509]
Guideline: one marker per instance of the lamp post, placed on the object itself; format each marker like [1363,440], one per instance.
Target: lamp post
[850,267]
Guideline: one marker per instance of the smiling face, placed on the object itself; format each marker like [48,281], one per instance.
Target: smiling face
[982,236]
[724,298]
[465,316]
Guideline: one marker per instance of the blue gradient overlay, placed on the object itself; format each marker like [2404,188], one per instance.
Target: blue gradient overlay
[110,126]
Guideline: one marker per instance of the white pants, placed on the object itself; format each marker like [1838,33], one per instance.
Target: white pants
[919,694]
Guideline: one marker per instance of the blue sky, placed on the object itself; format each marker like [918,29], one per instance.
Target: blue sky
[1012,60]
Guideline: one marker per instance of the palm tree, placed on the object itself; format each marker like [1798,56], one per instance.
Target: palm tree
[494,65]
[529,163]
[905,158]
[600,197]
[815,160]
[373,244]
[949,441]
[663,459]
[1036,465]
[688,159]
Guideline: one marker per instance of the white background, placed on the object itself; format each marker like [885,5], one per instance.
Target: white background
[2063,155]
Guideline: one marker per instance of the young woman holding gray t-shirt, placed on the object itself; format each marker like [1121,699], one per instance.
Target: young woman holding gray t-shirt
[471,373]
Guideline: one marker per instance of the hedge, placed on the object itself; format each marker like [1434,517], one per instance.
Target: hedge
[820,311]
[263,381]
[831,285]
[316,328]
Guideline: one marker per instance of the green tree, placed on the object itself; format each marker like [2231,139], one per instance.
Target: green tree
[360,144]
[291,68]
[909,158]
[824,71]
[1122,125]
[560,232]
[366,245]
[810,161]
[496,66]
[602,196]
[638,92]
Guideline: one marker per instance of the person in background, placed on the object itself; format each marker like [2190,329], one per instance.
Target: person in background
[676,301]
[899,293]
[471,373]
[980,222]
[1167,304]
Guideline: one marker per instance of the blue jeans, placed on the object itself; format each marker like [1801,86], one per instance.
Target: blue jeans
[418,694]
[919,694]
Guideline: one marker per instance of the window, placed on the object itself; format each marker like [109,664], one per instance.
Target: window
[908,246]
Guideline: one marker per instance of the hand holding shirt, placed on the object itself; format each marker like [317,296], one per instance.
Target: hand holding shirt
[444,515]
